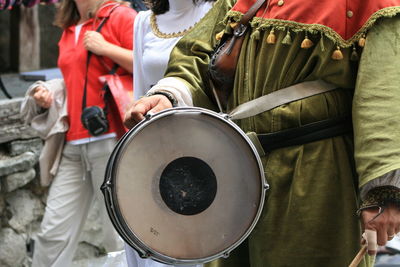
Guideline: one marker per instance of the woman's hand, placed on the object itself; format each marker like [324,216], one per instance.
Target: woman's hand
[138,109]
[42,97]
[380,228]
[95,43]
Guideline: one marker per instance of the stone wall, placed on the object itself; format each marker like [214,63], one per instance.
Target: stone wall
[16,53]
[22,199]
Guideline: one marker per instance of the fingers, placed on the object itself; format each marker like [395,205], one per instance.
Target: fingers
[381,225]
[162,102]
[43,97]
[145,105]
[392,230]
[382,236]
[89,35]
[134,115]
[94,42]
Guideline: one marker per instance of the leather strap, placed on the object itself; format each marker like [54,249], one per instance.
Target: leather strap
[280,97]
[223,63]
[242,27]
[89,54]
[306,133]
[251,12]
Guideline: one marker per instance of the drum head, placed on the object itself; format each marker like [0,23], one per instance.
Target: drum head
[188,186]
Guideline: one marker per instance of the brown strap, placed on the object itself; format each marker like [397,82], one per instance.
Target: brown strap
[251,12]
[224,61]
[241,28]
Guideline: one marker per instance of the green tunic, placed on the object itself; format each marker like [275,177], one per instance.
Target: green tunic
[309,217]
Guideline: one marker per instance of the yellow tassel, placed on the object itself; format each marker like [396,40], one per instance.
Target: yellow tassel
[354,55]
[271,38]
[255,35]
[219,35]
[233,24]
[337,54]
[288,39]
[362,40]
[307,43]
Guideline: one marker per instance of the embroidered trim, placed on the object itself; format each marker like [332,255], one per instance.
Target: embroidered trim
[158,33]
[265,23]
[381,197]
[168,95]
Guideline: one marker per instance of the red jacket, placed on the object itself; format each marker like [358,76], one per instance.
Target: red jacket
[348,20]
[118,30]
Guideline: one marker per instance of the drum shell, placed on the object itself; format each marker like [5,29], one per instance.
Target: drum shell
[198,232]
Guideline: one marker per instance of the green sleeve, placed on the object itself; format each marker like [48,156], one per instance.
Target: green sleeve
[376,106]
[190,57]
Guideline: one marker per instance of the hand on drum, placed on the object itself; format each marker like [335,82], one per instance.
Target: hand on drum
[140,108]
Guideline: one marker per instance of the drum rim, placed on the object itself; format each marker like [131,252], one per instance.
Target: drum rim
[108,189]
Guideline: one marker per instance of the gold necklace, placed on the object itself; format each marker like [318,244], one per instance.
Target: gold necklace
[158,33]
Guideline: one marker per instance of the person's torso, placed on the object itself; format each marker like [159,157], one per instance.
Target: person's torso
[72,62]
[296,41]
[159,35]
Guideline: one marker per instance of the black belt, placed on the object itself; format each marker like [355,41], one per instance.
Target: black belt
[307,133]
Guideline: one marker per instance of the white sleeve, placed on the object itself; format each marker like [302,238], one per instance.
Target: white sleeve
[177,88]
[138,31]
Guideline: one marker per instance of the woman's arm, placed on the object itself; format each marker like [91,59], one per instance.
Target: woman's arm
[119,48]
[95,43]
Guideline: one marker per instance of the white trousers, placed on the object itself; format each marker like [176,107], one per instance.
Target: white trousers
[77,183]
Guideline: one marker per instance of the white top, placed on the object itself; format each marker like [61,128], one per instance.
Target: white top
[77,32]
[151,53]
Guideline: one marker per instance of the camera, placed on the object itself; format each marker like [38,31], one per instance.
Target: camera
[94,119]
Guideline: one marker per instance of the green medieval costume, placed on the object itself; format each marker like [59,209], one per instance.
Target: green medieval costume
[309,218]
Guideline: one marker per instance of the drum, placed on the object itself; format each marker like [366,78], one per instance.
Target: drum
[184,186]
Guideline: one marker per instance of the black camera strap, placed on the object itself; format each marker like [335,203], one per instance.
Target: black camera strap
[89,55]
[106,89]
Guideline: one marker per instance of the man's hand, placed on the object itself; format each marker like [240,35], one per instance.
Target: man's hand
[380,228]
[42,97]
[144,105]
[95,43]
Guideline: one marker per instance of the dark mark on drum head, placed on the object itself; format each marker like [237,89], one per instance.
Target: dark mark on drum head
[188,185]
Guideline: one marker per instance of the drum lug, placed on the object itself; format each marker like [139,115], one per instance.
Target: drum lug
[148,115]
[106,185]
[266,186]
[226,116]
[226,254]
[144,255]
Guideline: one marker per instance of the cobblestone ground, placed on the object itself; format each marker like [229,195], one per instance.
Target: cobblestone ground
[114,259]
